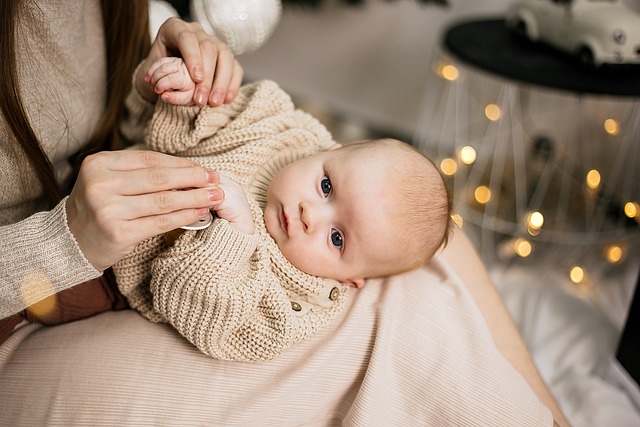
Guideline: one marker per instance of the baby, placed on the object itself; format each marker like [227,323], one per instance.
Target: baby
[303,221]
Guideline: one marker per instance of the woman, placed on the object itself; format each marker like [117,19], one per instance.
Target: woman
[65,92]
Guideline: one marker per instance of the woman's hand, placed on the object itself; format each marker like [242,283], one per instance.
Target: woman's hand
[211,64]
[124,197]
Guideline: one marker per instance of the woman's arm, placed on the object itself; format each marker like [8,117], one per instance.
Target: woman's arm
[468,266]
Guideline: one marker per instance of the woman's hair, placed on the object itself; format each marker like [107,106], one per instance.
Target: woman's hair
[127,41]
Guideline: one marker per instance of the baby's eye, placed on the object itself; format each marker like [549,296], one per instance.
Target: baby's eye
[336,239]
[325,186]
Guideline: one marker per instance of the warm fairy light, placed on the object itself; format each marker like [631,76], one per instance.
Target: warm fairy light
[631,209]
[522,247]
[448,166]
[467,154]
[482,194]
[576,274]
[38,280]
[492,111]
[446,71]
[593,179]
[457,220]
[449,72]
[611,127]
[614,254]
[535,220]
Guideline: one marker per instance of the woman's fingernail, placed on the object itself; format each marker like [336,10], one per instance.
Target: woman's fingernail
[215,195]
[213,177]
[217,97]
[197,73]
[201,96]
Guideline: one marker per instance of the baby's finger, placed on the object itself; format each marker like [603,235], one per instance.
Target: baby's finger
[172,81]
[155,66]
[177,97]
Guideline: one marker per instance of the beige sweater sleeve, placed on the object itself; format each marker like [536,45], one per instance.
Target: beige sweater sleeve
[38,258]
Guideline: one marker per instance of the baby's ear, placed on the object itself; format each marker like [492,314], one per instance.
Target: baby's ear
[356,283]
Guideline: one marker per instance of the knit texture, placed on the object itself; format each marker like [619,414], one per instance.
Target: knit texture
[233,295]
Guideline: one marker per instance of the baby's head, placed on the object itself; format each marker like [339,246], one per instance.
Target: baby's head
[364,210]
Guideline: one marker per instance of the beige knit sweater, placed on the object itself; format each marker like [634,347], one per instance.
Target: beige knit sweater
[61,65]
[233,295]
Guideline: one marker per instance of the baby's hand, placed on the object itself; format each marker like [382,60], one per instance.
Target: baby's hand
[235,206]
[171,80]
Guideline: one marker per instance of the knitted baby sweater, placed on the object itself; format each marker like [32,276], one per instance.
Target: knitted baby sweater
[233,295]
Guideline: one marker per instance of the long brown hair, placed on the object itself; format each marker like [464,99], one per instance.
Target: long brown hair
[126,24]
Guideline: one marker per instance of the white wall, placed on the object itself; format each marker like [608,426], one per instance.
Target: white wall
[369,62]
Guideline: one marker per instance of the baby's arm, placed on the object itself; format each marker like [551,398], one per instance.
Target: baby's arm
[235,206]
[171,80]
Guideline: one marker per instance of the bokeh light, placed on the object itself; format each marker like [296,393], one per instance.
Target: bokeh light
[467,154]
[631,209]
[492,111]
[45,293]
[593,179]
[576,274]
[448,166]
[612,127]
[482,194]
[450,72]
[614,254]
[535,220]
[522,247]
[457,220]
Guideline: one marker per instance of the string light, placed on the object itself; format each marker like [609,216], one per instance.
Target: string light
[535,220]
[593,179]
[457,220]
[576,274]
[448,166]
[522,247]
[612,127]
[482,194]
[38,280]
[632,209]
[492,111]
[450,72]
[446,71]
[614,254]
[467,154]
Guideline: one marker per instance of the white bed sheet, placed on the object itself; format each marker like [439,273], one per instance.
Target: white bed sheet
[572,342]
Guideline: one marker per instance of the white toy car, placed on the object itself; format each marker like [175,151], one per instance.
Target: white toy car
[596,31]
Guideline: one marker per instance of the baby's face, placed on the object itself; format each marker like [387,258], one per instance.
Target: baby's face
[330,215]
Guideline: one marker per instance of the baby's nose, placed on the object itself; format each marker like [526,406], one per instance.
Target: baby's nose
[314,215]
